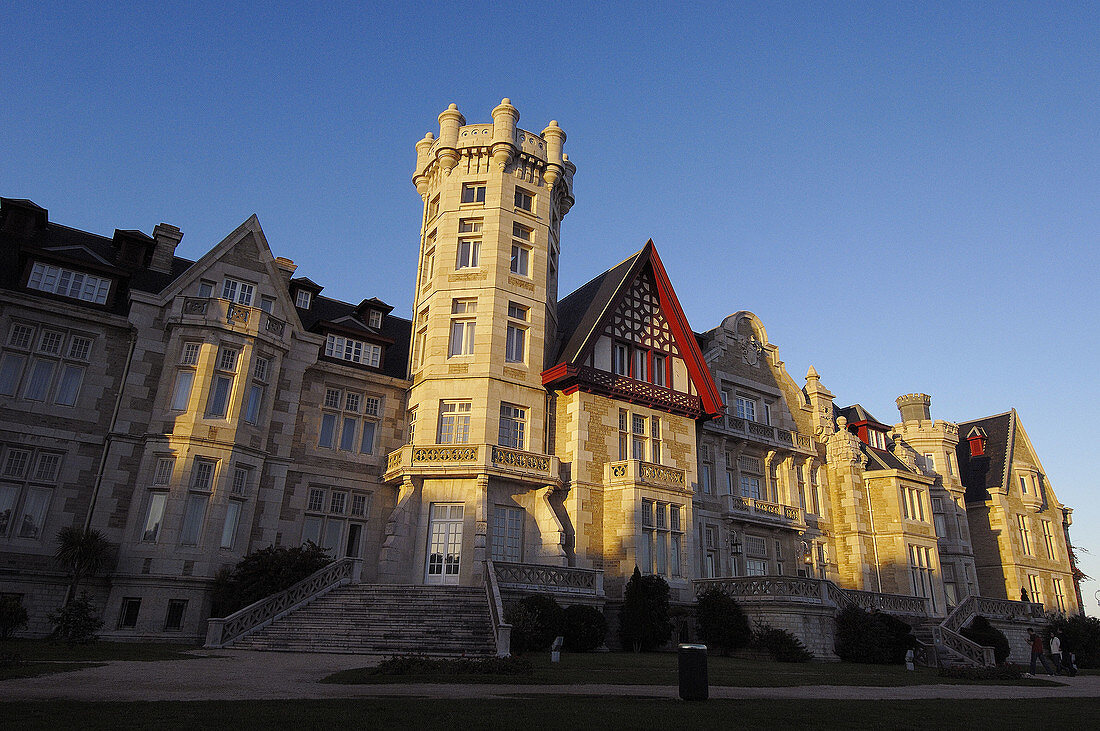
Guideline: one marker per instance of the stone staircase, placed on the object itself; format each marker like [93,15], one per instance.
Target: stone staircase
[383,619]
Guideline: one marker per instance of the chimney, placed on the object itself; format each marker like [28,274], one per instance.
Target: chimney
[915,407]
[287,267]
[167,238]
[21,217]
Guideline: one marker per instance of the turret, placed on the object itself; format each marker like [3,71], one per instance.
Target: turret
[915,406]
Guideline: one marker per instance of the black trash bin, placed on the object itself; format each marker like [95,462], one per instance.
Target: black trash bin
[693,672]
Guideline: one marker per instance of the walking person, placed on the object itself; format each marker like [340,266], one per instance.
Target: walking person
[1038,652]
[1056,652]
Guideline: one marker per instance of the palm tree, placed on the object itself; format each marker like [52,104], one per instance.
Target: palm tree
[84,552]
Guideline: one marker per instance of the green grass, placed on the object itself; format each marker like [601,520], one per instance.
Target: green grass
[558,712]
[620,668]
[94,652]
[34,669]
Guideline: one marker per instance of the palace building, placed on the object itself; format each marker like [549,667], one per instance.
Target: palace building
[501,437]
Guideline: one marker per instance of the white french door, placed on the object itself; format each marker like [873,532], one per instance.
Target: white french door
[444,543]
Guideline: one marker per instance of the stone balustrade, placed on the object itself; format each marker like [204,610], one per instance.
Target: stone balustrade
[889,603]
[637,472]
[763,433]
[213,311]
[472,459]
[773,513]
[550,579]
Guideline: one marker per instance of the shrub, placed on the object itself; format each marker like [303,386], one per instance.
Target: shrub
[981,631]
[263,573]
[583,627]
[422,665]
[644,622]
[13,616]
[872,637]
[721,622]
[536,620]
[76,623]
[1081,636]
[1007,671]
[782,645]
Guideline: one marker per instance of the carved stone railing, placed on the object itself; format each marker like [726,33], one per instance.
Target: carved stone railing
[625,388]
[890,603]
[222,631]
[990,608]
[763,433]
[502,631]
[551,579]
[542,469]
[529,461]
[967,650]
[772,512]
[768,588]
[637,472]
[217,311]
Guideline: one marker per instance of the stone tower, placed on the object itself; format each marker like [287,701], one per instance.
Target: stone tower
[484,321]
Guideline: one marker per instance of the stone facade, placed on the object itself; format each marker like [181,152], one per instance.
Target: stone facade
[195,411]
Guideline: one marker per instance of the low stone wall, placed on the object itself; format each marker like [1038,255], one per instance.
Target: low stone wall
[814,625]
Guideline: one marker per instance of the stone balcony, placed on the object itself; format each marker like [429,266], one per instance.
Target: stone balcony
[762,511]
[637,472]
[764,434]
[463,460]
[215,312]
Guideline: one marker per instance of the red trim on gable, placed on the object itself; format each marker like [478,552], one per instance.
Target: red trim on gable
[685,338]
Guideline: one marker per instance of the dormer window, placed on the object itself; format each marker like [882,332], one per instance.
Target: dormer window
[876,439]
[374,319]
[69,283]
[354,350]
[303,299]
[976,438]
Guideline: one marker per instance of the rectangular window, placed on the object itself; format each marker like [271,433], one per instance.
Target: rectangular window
[469,253]
[411,419]
[930,462]
[1025,535]
[173,619]
[746,408]
[303,299]
[507,537]
[640,370]
[473,193]
[227,359]
[433,208]
[20,336]
[328,431]
[524,200]
[454,422]
[267,304]
[154,516]
[35,502]
[708,479]
[193,516]
[366,443]
[261,368]
[206,289]
[941,524]
[750,487]
[237,291]
[359,506]
[520,262]
[190,354]
[513,420]
[218,403]
[521,232]
[462,330]
[202,475]
[347,434]
[1036,586]
[332,398]
[50,342]
[374,319]
[1059,594]
[47,468]
[337,502]
[1023,485]
[232,519]
[311,529]
[38,384]
[620,359]
[128,614]
[255,401]
[660,370]
[11,370]
[1048,540]
[181,395]
[316,500]
[241,477]
[68,283]
[756,567]
[755,546]
[80,348]
[68,386]
[16,463]
[163,473]
[372,406]
[913,503]
[515,350]
[8,496]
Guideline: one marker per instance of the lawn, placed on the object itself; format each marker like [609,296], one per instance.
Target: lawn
[620,668]
[32,650]
[557,712]
[34,669]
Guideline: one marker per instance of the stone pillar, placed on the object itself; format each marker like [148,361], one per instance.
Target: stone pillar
[396,554]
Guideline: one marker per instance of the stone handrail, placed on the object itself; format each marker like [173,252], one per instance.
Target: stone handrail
[554,579]
[222,631]
[769,588]
[765,508]
[991,608]
[633,471]
[530,461]
[968,650]
[216,310]
[502,631]
[891,603]
[542,469]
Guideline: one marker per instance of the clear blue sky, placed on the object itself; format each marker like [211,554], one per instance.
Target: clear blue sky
[907,196]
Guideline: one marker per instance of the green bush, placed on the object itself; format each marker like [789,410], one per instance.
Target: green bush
[872,637]
[536,620]
[1080,635]
[644,621]
[1007,671]
[981,631]
[783,646]
[76,623]
[583,628]
[430,666]
[721,622]
[263,573]
[13,616]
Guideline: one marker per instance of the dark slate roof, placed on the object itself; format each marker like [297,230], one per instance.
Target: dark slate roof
[856,413]
[580,311]
[395,330]
[878,459]
[979,474]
